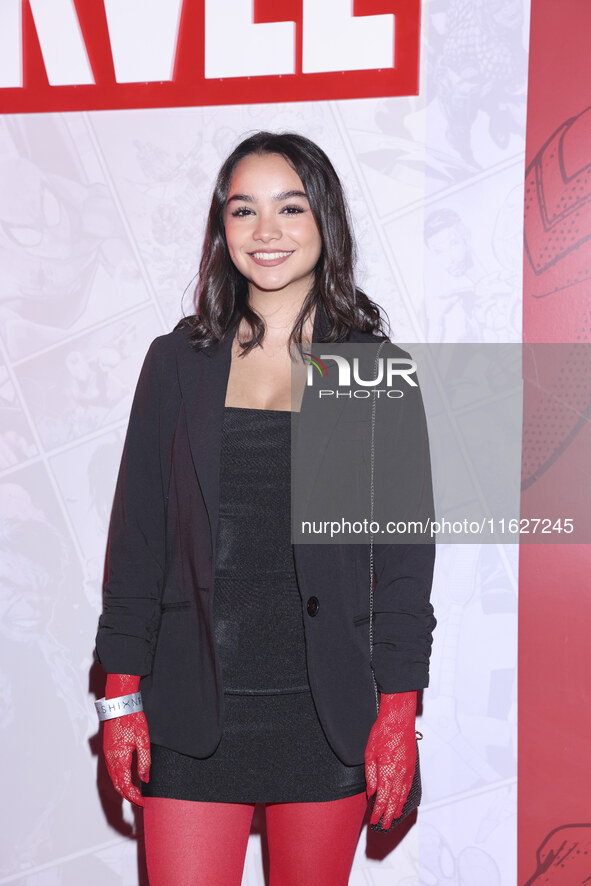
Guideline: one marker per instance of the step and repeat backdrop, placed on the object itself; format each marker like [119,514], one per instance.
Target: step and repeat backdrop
[115,119]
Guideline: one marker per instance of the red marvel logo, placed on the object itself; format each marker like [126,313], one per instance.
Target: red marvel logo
[88,54]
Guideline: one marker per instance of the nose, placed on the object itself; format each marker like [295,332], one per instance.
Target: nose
[267,227]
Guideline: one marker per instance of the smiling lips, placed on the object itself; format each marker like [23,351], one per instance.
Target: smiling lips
[270,259]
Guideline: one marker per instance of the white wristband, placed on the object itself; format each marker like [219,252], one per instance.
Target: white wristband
[109,708]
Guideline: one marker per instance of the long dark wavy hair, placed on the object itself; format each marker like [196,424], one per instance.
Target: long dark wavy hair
[222,291]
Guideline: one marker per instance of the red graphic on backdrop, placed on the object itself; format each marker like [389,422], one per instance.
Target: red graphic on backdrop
[206,52]
[556,405]
[564,857]
[558,209]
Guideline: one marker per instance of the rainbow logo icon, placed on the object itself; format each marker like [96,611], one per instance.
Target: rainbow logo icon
[315,363]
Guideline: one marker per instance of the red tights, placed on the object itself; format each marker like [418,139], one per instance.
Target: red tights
[192,843]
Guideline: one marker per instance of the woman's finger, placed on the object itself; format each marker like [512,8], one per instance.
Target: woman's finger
[134,795]
[398,796]
[382,795]
[405,784]
[389,815]
[130,792]
[143,755]
[116,768]
[124,785]
[394,807]
[371,776]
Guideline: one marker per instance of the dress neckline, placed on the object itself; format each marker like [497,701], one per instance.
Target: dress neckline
[255,409]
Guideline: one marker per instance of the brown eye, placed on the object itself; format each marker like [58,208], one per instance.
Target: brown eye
[292,210]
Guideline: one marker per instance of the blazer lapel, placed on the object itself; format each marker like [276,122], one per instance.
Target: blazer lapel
[203,379]
[315,425]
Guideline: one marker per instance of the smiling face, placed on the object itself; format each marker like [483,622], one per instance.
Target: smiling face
[271,232]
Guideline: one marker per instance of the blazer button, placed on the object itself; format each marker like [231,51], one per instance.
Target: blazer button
[313,606]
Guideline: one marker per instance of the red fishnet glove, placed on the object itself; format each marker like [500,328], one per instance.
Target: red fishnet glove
[390,755]
[123,736]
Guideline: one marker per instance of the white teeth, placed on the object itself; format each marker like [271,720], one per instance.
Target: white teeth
[269,256]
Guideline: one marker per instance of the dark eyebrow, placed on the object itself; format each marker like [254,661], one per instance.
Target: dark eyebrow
[287,195]
[240,198]
[284,195]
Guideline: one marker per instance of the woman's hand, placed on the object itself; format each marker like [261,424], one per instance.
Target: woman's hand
[124,735]
[390,755]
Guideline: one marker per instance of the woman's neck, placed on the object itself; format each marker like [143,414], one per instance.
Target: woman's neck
[279,315]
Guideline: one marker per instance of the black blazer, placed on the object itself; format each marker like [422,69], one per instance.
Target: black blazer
[157,617]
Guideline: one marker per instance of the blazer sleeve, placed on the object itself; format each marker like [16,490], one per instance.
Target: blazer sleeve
[128,626]
[403,620]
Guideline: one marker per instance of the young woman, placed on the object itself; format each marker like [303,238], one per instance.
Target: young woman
[263,691]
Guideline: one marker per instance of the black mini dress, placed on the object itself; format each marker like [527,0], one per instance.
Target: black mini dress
[273,748]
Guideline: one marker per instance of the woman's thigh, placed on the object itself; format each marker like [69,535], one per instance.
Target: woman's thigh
[192,843]
[313,843]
